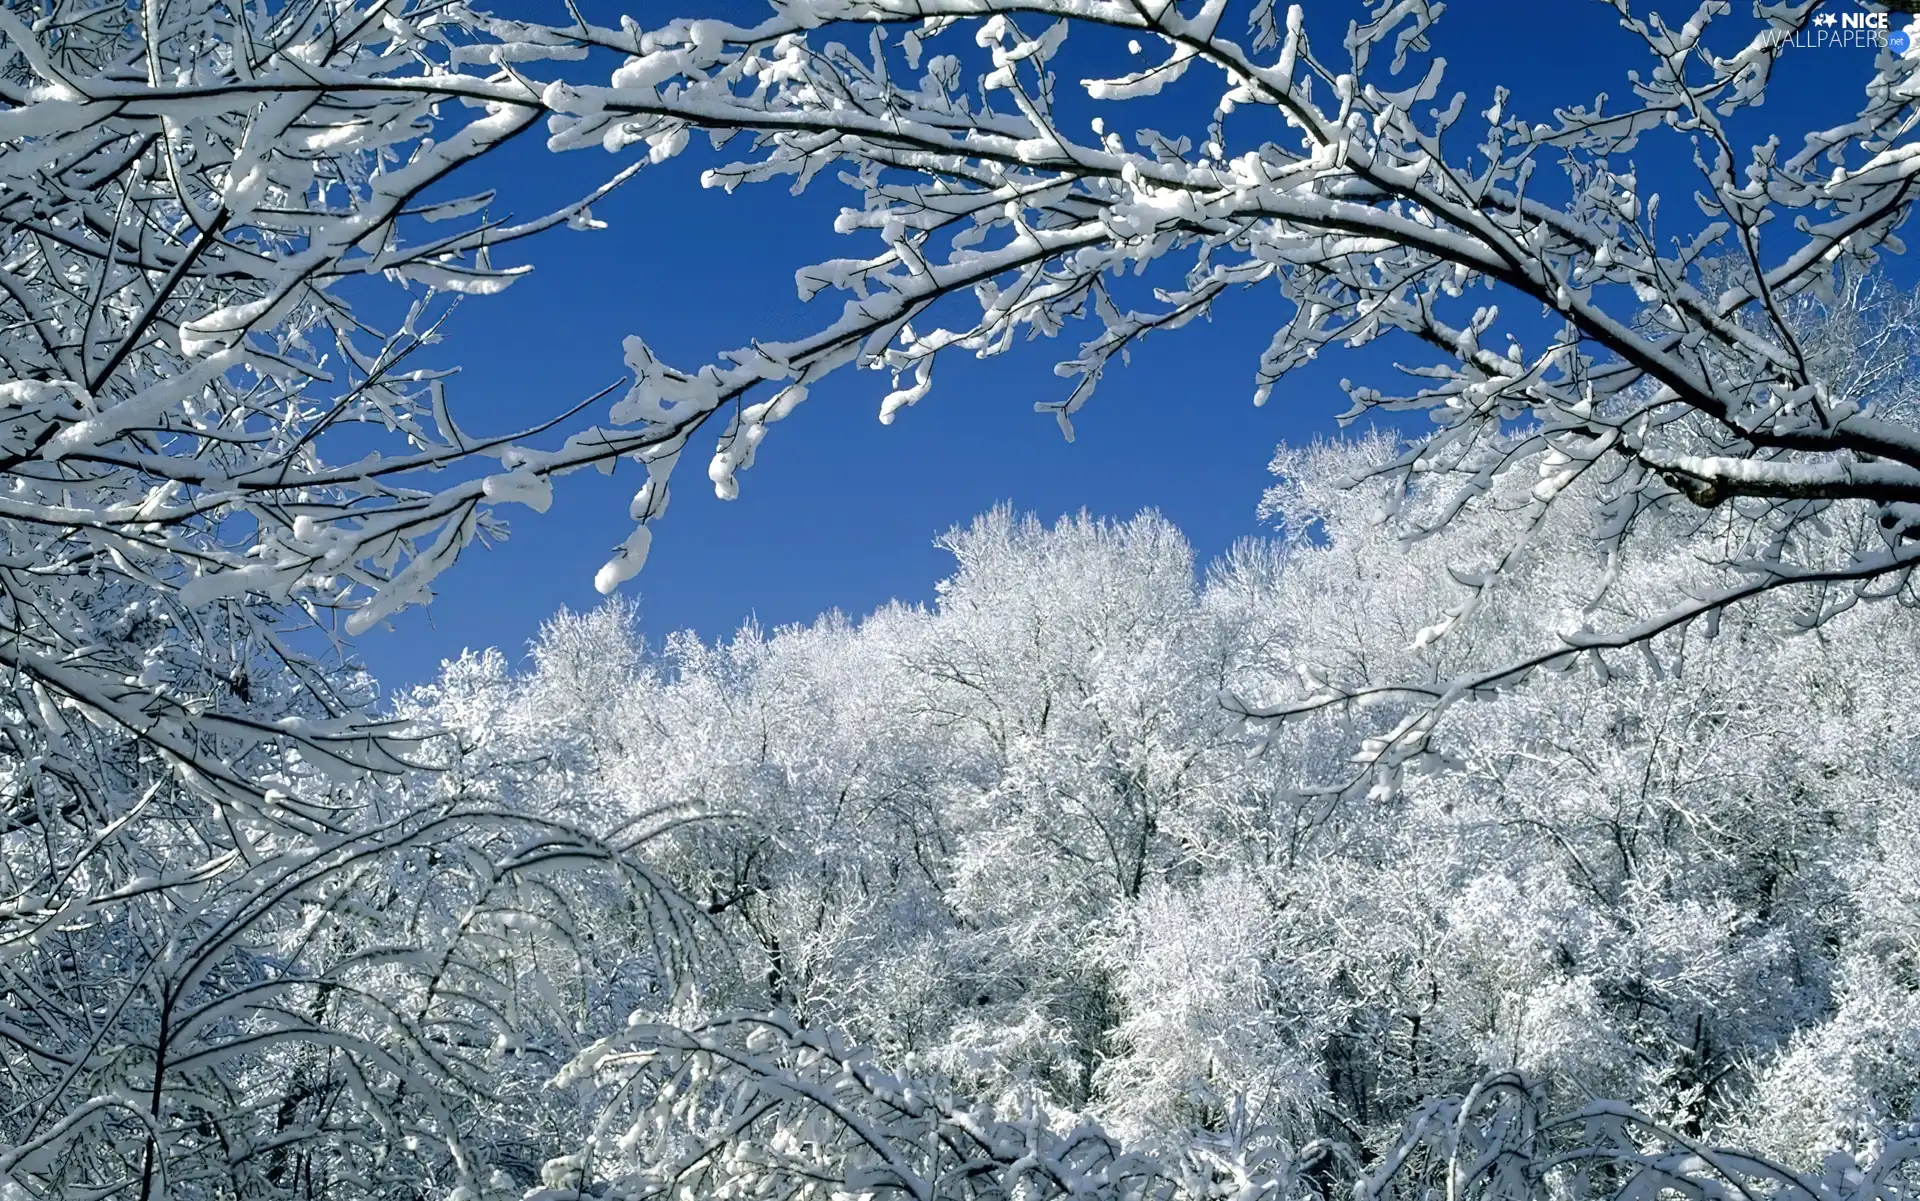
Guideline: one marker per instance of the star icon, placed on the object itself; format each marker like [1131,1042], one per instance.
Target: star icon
[1825,19]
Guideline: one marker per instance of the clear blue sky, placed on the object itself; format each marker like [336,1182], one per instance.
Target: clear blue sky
[841,512]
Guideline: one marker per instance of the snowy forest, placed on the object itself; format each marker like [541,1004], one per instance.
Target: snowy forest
[1526,809]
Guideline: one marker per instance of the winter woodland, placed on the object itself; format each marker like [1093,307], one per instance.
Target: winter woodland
[1524,810]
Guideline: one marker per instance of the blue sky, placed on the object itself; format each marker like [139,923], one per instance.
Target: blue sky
[839,511]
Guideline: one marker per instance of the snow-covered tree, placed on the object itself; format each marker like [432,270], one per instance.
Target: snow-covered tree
[202,1001]
[1007,853]
[188,190]
[1677,360]
[1009,842]
[232,962]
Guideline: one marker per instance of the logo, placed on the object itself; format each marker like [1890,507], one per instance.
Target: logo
[1860,29]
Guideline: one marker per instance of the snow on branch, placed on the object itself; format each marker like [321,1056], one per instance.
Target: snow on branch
[1553,322]
[186,195]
